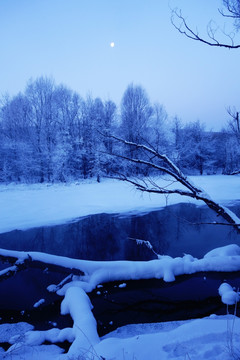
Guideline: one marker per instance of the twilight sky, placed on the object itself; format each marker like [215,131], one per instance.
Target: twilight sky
[69,40]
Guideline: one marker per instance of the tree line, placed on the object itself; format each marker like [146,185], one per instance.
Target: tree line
[49,133]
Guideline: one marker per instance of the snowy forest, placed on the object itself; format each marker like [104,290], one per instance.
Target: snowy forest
[50,133]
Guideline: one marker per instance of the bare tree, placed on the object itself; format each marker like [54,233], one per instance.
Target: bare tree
[234,141]
[15,147]
[231,10]
[135,112]
[234,123]
[40,94]
[150,158]
[158,133]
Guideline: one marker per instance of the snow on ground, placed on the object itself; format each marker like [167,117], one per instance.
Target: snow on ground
[212,338]
[207,338]
[9,330]
[25,206]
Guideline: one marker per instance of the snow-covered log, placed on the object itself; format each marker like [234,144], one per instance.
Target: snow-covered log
[78,305]
[222,259]
[21,260]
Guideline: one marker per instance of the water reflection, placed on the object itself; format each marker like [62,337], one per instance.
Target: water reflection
[106,237]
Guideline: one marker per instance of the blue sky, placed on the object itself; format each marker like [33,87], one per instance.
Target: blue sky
[70,41]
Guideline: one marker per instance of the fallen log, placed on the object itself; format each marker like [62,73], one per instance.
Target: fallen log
[21,261]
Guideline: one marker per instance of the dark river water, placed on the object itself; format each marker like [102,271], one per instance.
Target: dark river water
[173,230]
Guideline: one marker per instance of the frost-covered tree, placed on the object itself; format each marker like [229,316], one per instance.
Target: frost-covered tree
[177,130]
[108,126]
[50,133]
[16,150]
[92,110]
[228,145]
[158,132]
[234,123]
[68,138]
[193,147]
[40,95]
[196,147]
[109,122]
[135,113]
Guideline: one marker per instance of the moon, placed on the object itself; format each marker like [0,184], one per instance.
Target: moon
[112,44]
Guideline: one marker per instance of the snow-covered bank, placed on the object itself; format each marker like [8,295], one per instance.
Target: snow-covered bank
[209,338]
[27,206]
[214,338]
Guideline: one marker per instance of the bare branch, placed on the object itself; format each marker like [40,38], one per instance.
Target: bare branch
[185,29]
[206,222]
[156,190]
[167,167]
[235,116]
[147,244]
[213,223]
[235,172]
[28,262]
[233,8]
[11,271]
[55,288]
